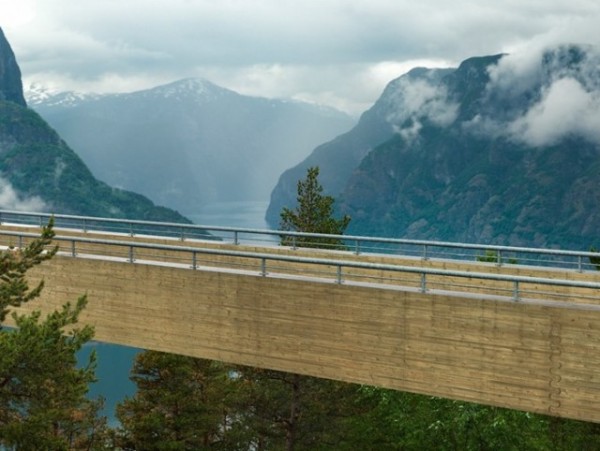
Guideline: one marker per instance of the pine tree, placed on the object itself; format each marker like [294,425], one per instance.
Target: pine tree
[313,214]
[181,403]
[43,402]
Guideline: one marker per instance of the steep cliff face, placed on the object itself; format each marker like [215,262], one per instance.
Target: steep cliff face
[11,88]
[516,160]
[339,157]
[503,149]
[38,171]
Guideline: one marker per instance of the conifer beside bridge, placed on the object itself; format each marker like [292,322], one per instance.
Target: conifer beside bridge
[522,336]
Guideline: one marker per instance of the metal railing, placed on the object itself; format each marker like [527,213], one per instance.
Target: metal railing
[515,288]
[499,255]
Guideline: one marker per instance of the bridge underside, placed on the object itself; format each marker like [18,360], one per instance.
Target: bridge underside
[539,357]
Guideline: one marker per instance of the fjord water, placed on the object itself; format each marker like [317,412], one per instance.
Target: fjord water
[244,214]
[115,362]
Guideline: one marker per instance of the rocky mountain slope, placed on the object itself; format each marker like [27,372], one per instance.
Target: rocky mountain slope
[189,142]
[504,149]
[38,171]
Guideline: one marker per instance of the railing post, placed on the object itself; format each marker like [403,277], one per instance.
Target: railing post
[236,240]
[499,257]
[263,266]
[339,274]
[131,256]
[73,250]
[579,263]
[84,226]
[423,282]
[20,242]
[194,262]
[357,251]
[425,255]
[516,291]
[182,237]
[131,229]
[294,243]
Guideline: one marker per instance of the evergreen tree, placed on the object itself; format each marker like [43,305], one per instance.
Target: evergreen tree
[313,214]
[181,403]
[291,411]
[595,260]
[43,402]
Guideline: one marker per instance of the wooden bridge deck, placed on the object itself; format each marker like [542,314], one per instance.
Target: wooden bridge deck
[471,342]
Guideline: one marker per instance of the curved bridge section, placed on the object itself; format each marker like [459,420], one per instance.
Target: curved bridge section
[517,336]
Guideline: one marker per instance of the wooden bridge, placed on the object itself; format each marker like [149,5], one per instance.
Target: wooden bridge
[513,335]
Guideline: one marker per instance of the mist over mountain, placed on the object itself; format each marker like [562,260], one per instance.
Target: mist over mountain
[189,142]
[39,172]
[503,149]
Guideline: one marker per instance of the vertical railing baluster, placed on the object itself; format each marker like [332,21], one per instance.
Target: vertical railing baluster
[357,251]
[425,253]
[339,274]
[236,240]
[131,256]
[73,250]
[499,257]
[516,291]
[579,263]
[263,266]
[194,260]
[423,283]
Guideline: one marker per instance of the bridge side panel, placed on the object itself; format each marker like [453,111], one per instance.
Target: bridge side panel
[523,356]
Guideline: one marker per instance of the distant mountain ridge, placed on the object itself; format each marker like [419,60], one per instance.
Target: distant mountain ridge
[39,171]
[189,142]
[503,149]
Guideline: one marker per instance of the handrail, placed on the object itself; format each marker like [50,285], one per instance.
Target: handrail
[501,254]
[263,258]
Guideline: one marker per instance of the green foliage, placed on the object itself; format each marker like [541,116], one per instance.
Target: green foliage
[492,256]
[38,163]
[181,403]
[14,264]
[43,402]
[313,214]
[595,260]
[292,411]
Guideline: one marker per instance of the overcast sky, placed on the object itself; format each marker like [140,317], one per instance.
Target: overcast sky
[335,52]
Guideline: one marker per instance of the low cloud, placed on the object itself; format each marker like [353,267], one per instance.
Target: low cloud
[548,92]
[11,200]
[416,100]
[566,108]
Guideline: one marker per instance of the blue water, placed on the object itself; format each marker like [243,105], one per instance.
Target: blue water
[244,214]
[115,362]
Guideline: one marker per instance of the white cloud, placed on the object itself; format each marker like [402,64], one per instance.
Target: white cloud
[337,51]
[11,200]
[566,108]
[549,92]
[416,99]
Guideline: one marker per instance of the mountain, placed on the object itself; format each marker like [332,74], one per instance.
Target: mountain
[189,142]
[504,149]
[11,88]
[339,157]
[38,171]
